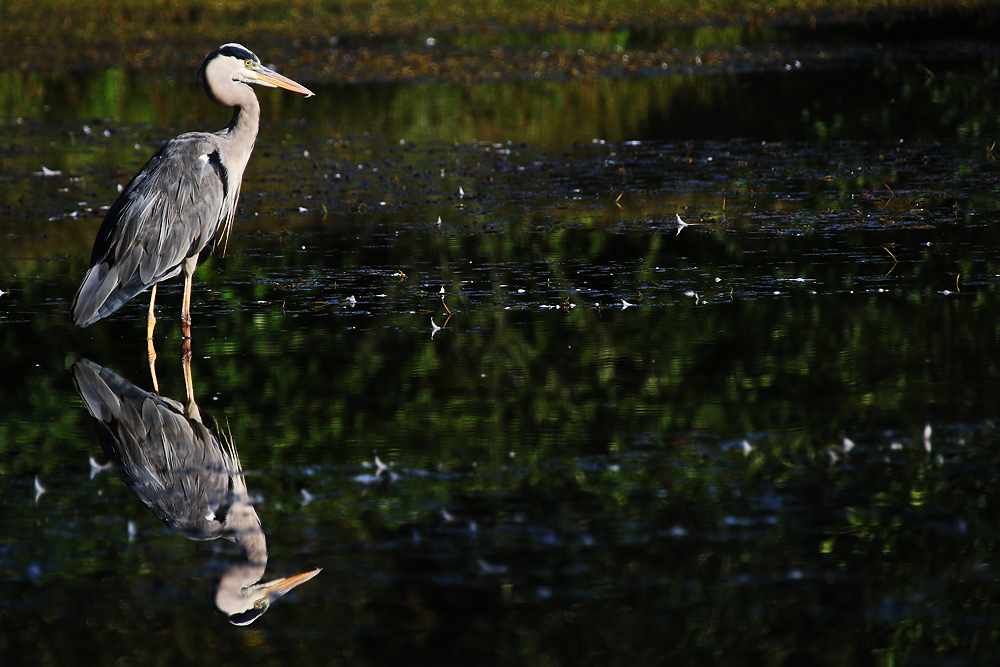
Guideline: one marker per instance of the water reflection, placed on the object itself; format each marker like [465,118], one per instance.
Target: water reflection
[188,476]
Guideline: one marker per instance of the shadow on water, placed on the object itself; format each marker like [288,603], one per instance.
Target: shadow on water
[480,374]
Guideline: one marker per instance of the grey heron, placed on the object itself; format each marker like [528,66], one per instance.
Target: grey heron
[190,478]
[173,212]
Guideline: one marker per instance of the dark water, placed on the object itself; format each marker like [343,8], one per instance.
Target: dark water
[768,438]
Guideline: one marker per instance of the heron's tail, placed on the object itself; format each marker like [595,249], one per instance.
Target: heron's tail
[101,293]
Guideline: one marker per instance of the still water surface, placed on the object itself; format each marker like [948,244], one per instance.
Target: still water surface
[474,370]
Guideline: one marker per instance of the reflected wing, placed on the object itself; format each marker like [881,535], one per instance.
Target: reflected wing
[169,211]
[175,465]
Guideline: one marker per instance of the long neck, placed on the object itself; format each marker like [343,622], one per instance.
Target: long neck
[247,533]
[238,140]
[242,133]
[250,568]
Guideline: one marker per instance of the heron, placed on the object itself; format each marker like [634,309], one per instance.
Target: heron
[190,478]
[172,213]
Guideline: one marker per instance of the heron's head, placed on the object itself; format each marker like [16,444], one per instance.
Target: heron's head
[234,63]
[250,603]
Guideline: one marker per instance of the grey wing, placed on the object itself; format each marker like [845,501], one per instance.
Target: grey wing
[175,465]
[169,211]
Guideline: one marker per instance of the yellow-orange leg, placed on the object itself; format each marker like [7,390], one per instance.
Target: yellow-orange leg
[190,407]
[150,318]
[189,266]
[151,352]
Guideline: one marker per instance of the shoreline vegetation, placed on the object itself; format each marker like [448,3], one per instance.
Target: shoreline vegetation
[355,41]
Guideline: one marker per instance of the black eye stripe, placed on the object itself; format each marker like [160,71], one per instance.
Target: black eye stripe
[236,52]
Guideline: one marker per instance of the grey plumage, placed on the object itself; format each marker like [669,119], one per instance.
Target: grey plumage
[170,211]
[166,455]
[173,212]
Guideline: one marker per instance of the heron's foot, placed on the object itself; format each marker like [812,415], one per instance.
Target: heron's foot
[150,323]
[186,327]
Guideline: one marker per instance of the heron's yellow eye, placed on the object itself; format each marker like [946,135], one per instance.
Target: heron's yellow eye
[248,63]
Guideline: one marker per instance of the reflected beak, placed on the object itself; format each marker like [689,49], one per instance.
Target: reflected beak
[273,590]
[270,78]
[258,598]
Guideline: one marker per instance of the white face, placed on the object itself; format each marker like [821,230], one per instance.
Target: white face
[237,63]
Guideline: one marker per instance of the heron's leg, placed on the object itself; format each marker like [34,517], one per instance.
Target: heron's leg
[151,355]
[150,319]
[150,350]
[190,264]
[191,408]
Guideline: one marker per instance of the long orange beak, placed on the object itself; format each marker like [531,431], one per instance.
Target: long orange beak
[275,589]
[270,78]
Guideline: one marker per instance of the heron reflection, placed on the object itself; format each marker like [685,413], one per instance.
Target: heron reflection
[188,476]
